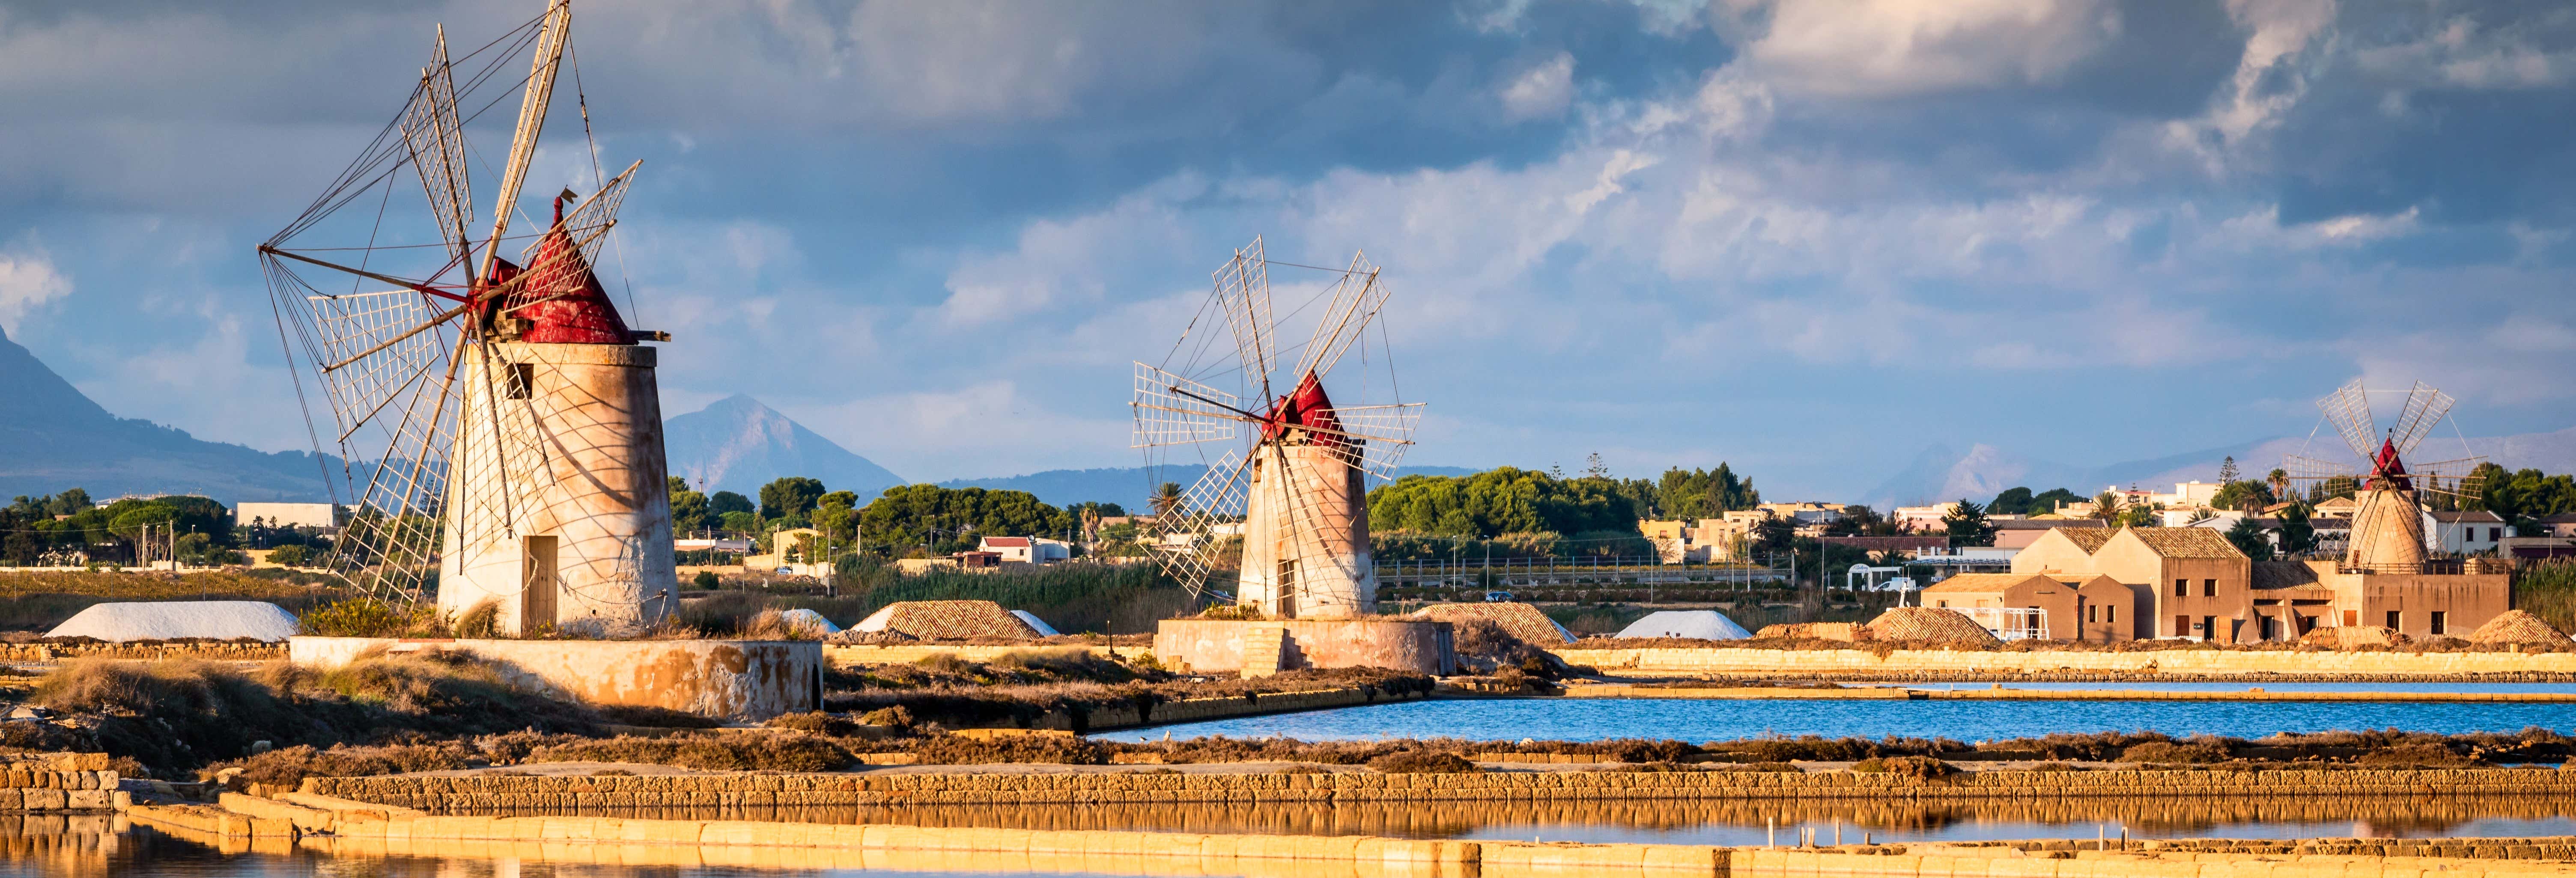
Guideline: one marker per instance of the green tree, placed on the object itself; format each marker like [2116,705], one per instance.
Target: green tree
[2047,502]
[1695,493]
[2279,481]
[789,496]
[2245,495]
[1505,500]
[2013,501]
[740,522]
[2250,539]
[1967,524]
[949,519]
[1167,497]
[836,516]
[689,513]
[674,485]
[724,503]
[2110,507]
[2227,470]
[2298,537]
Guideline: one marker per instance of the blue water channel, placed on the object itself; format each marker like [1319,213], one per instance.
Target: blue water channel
[1593,719]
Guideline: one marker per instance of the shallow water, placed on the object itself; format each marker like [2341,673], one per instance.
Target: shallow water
[1592,719]
[141,852]
[2468,688]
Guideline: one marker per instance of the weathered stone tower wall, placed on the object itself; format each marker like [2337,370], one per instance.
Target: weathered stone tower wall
[2387,533]
[581,425]
[1305,535]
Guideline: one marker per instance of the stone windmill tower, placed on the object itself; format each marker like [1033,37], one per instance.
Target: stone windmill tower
[2388,519]
[498,422]
[1292,480]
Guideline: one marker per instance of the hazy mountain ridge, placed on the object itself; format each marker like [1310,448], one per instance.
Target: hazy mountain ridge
[53,437]
[1940,474]
[1128,487]
[738,444]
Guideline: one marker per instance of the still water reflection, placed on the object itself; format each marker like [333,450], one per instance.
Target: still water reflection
[1592,719]
[103,846]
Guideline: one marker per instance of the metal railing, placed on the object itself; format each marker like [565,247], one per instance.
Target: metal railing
[2009,623]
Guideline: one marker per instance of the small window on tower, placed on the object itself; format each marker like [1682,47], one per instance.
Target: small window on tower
[517,379]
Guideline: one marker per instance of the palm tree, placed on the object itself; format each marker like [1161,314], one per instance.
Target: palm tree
[1166,499]
[2280,479]
[2108,507]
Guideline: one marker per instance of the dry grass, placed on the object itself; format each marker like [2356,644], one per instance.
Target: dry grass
[1424,762]
[1914,767]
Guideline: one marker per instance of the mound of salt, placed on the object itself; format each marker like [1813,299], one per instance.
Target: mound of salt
[177,620]
[1930,624]
[2517,626]
[1697,624]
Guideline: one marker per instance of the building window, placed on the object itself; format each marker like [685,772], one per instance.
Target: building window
[2396,621]
[516,381]
[2437,623]
[2209,588]
[2111,613]
[2495,534]
[2182,588]
[2092,613]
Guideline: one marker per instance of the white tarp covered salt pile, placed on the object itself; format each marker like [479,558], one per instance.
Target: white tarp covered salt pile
[179,620]
[1044,629]
[1695,624]
[810,621]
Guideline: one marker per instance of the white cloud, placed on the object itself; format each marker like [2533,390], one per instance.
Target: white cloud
[2262,230]
[2460,55]
[965,432]
[2266,83]
[1884,48]
[28,280]
[1541,91]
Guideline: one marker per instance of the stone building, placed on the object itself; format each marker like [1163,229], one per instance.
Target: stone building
[2076,606]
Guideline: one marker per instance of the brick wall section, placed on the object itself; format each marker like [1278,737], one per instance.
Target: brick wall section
[2160,664]
[500,793]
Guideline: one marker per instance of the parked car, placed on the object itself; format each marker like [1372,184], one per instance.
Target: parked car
[1497,597]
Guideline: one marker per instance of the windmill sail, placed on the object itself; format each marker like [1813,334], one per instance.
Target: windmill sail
[1295,465]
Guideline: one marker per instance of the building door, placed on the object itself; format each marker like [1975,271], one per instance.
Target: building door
[2182,626]
[537,585]
[2209,628]
[2271,628]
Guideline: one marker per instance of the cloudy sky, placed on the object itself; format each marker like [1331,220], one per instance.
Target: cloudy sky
[1808,237]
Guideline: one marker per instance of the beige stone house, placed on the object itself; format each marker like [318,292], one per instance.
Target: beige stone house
[2184,582]
[2077,606]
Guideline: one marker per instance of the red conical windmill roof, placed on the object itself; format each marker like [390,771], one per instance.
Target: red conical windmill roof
[1306,406]
[562,300]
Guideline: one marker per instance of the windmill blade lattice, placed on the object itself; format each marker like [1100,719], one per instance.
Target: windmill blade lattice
[1188,547]
[2348,408]
[2425,407]
[1172,410]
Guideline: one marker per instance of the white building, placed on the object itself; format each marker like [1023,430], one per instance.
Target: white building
[1026,550]
[316,515]
[2463,533]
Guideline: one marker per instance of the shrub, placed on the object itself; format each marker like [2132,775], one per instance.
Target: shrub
[1048,749]
[1424,762]
[482,620]
[2416,755]
[289,766]
[654,717]
[1914,767]
[368,617]
[452,694]
[288,556]
[706,580]
[722,752]
[2168,752]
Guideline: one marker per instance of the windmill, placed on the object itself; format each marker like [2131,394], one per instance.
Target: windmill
[2388,519]
[1292,474]
[497,422]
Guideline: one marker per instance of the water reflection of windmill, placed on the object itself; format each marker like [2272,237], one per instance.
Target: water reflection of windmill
[1295,465]
[2390,494]
[500,420]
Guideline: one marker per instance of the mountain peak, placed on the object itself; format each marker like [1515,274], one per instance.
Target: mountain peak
[739,443]
[53,437]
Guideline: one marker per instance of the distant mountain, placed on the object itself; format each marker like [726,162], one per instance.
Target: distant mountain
[738,444]
[53,438]
[1940,474]
[1126,486]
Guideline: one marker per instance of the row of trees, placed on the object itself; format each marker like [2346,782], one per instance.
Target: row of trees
[41,530]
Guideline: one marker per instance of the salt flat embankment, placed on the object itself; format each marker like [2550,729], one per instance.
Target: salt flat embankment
[1904,665]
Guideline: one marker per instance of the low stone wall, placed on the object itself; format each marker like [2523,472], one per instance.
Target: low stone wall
[45,782]
[739,844]
[218,652]
[739,680]
[1943,664]
[1217,645]
[496,793]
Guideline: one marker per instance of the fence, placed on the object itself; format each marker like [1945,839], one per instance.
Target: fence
[1534,572]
